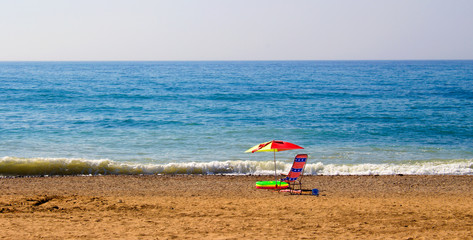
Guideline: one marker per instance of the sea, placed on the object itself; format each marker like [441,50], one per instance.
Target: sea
[199,117]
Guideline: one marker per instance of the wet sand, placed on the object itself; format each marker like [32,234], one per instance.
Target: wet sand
[229,207]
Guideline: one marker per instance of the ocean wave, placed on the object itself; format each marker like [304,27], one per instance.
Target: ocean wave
[13,166]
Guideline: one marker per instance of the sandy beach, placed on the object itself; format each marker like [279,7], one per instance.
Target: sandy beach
[229,207]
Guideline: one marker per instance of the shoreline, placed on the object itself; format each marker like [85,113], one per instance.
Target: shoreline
[12,166]
[271,177]
[230,207]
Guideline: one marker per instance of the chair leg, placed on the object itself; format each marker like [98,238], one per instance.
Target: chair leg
[292,187]
[300,188]
[293,190]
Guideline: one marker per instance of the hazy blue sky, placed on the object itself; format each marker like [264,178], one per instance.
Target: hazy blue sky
[235,29]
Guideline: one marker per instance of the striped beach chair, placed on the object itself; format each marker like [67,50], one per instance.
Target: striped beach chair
[294,177]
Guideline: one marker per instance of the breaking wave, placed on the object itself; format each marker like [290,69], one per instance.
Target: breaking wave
[13,166]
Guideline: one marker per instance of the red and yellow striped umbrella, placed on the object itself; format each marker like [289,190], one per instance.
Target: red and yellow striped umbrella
[273,146]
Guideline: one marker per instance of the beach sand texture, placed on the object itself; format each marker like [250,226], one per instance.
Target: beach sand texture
[229,207]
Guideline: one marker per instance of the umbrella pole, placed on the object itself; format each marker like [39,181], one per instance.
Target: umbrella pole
[275,176]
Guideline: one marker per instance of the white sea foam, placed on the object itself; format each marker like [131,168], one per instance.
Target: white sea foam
[12,166]
[449,167]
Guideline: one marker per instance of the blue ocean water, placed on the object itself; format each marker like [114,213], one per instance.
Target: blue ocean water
[352,117]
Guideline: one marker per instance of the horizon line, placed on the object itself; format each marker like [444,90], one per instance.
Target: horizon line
[274,60]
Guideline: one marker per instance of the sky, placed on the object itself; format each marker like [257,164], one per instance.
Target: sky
[158,30]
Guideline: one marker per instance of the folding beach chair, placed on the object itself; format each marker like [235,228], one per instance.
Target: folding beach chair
[294,177]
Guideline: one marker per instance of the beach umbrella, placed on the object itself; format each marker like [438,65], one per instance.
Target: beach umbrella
[273,146]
